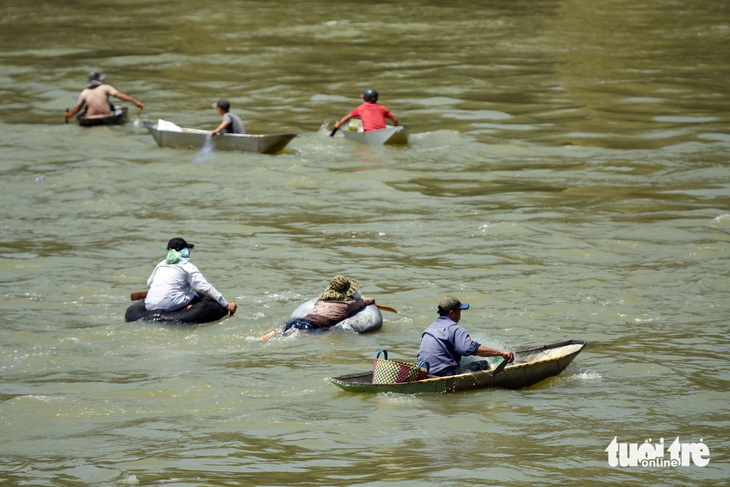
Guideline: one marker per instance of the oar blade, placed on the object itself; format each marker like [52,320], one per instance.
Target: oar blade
[138,296]
[500,367]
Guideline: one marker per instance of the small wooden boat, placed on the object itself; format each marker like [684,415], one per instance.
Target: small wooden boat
[530,366]
[391,136]
[117,117]
[194,139]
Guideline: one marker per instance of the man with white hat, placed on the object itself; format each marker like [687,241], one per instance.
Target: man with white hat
[445,341]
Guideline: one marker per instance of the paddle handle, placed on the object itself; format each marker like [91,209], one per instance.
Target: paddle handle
[386,308]
[138,296]
[139,111]
[66,117]
[332,134]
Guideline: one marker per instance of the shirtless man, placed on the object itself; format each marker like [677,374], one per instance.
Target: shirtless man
[96,97]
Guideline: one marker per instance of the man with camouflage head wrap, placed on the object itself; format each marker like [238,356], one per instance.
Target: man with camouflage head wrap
[338,301]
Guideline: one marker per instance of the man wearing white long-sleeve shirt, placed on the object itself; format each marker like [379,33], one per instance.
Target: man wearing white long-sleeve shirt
[174,281]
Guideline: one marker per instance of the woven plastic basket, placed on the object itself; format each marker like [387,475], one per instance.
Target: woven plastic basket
[393,371]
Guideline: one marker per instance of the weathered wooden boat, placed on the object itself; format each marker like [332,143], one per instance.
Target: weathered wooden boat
[530,366]
[392,136]
[117,117]
[194,139]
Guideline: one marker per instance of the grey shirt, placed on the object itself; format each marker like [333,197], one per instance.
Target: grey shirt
[236,125]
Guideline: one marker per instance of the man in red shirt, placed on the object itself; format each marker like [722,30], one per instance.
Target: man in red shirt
[372,115]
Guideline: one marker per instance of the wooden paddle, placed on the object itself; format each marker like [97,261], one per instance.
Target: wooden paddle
[138,296]
[332,134]
[66,117]
[500,367]
[386,308]
[139,112]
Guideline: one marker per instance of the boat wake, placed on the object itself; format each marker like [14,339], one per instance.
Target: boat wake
[584,375]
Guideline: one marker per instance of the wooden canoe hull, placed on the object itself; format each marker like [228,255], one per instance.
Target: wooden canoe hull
[117,118]
[390,136]
[532,365]
[195,139]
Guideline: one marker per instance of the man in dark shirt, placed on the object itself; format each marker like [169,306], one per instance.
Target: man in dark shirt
[231,123]
[445,341]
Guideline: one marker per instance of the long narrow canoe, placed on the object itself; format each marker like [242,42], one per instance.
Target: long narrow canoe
[118,117]
[391,136]
[530,366]
[194,139]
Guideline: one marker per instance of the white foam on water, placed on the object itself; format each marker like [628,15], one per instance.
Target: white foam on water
[129,480]
[398,398]
[584,375]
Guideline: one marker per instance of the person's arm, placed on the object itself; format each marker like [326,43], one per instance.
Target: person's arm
[392,117]
[220,128]
[483,351]
[358,303]
[199,283]
[343,120]
[124,97]
[74,110]
[463,344]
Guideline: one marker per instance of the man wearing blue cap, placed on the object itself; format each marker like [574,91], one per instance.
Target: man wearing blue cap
[445,341]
